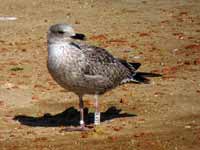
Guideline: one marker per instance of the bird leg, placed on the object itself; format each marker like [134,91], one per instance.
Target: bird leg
[97,112]
[82,123]
[81,107]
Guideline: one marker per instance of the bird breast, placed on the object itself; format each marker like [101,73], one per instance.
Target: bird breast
[65,63]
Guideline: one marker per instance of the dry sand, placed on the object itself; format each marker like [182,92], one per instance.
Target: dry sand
[162,35]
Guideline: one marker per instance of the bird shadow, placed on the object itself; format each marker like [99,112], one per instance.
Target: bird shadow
[69,117]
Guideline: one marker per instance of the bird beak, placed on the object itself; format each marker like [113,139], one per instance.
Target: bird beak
[79,36]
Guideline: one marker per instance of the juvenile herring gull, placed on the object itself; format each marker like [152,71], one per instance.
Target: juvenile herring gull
[85,69]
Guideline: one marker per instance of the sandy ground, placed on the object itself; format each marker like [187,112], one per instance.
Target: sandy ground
[162,35]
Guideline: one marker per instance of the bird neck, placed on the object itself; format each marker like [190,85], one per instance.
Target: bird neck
[58,48]
[58,40]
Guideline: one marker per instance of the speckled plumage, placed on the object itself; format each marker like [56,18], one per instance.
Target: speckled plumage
[84,69]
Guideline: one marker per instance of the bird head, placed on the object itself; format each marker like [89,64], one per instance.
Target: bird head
[63,32]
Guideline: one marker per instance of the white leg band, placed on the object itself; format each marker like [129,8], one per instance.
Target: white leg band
[81,122]
[97,118]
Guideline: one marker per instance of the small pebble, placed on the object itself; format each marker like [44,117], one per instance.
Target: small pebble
[187,127]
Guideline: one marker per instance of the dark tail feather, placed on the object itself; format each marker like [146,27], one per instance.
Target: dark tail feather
[130,65]
[135,65]
[140,77]
[137,78]
[148,74]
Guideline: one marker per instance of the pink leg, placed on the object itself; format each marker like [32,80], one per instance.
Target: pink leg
[82,123]
[97,112]
[81,107]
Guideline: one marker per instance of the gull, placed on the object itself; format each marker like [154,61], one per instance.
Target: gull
[86,69]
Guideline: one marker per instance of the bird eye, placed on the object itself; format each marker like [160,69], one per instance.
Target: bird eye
[61,32]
